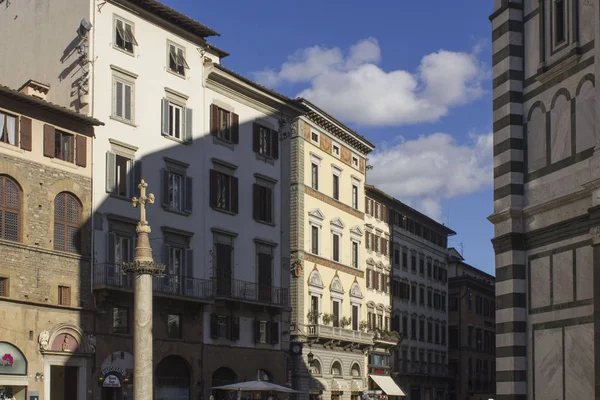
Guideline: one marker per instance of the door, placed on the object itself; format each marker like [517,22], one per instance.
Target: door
[336,313]
[265,278]
[355,318]
[223,272]
[314,307]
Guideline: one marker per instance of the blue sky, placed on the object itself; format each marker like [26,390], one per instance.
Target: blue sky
[413,77]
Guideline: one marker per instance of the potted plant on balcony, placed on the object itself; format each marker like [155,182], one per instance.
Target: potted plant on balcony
[327,318]
[344,322]
[313,317]
[363,325]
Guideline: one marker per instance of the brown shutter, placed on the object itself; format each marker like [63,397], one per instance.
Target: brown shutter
[81,150]
[26,133]
[213,188]
[49,134]
[368,278]
[275,144]
[235,128]
[383,213]
[234,194]
[366,205]
[256,200]
[255,137]
[214,119]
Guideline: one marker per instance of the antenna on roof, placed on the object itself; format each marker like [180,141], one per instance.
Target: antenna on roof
[462,249]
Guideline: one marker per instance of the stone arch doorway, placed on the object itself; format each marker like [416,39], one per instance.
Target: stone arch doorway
[223,376]
[172,379]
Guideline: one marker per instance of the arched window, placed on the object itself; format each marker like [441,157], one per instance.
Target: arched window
[172,379]
[355,371]
[315,367]
[336,369]
[10,209]
[263,375]
[67,223]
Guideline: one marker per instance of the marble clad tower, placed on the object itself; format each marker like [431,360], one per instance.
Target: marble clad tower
[143,268]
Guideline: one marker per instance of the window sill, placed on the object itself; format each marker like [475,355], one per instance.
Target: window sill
[64,163]
[222,142]
[169,209]
[123,121]
[170,71]
[265,222]
[189,142]
[266,159]
[223,211]
[122,50]
[11,147]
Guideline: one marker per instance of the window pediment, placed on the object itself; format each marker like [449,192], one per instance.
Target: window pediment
[316,213]
[337,222]
[355,291]
[315,280]
[356,230]
[336,285]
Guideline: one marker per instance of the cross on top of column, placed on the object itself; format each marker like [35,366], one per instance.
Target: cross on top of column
[142,200]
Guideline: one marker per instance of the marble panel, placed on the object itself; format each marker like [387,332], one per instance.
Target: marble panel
[579,362]
[562,277]
[540,282]
[536,140]
[585,117]
[586,21]
[560,130]
[548,364]
[584,273]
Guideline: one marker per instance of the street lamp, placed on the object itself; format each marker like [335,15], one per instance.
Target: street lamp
[310,356]
[468,292]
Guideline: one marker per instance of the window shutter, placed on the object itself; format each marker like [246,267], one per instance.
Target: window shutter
[368,278]
[49,134]
[255,137]
[81,150]
[270,210]
[165,187]
[26,133]
[188,125]
[234,194]
[256,331]
[256,200]
[135,176]
[274,332]
[110,172]
[112,239]
[213,188]
[214,326]
[385,213]
[188,194]
[235,128]
[235,328]
[366,205]
[165,116]
[214,119]
[128,89]
[275,144]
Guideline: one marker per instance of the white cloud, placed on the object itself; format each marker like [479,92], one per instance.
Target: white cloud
[354,88]
[425,171]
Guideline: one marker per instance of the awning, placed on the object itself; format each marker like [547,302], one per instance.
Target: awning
[317,384]
[388,385]
[357,385]
[337,386]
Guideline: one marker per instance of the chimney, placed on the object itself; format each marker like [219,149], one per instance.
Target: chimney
[35,89]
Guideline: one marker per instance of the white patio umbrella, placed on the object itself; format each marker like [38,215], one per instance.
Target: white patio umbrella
[256,386]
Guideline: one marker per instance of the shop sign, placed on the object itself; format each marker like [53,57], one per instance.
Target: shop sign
[111,381]
[373,392]
[378,371]
[108,370]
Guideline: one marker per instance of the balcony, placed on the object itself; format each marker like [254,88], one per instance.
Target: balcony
[332,333]
[385,338]
[251,292]
[111,276]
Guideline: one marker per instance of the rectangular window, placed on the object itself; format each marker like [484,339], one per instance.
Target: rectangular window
[222,327]
[123,249]
[335,150]
[177,62]
[422,296]
[405,326]
[175,121]
[335,239]
[429,298]
[315,176]
[315,239]
[396,256]
[175,188]
[3,287]
[64,295]
[413,264]
[422,331]
[314,136]
[266,141]
[413,329]
[8,129]
[263,203]
[64,146]
[335,313]
[336,187]
[123,100]
[429,332]
[224,191]
[559,22]
[223,124]
[404,260]
[174,326]
[376,241]
[355,318]
[314,308]
[120,320]
[414,294]
[122,167]
[355,255]
[355,161]
[355,197]
[124,37]
[421,267]
[429,269]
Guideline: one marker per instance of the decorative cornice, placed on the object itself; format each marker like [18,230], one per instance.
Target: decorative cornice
[341,206]
[334,265]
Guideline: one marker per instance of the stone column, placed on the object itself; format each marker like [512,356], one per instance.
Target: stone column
[143,268]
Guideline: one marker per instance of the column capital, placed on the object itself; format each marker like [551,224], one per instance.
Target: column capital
[595,234]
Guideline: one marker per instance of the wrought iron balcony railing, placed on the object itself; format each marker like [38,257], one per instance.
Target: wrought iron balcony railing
[253,292]
[111,275]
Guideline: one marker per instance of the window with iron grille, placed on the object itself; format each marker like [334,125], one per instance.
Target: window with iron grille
[10,209]
[64,295]
[3,287]
[67,222]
